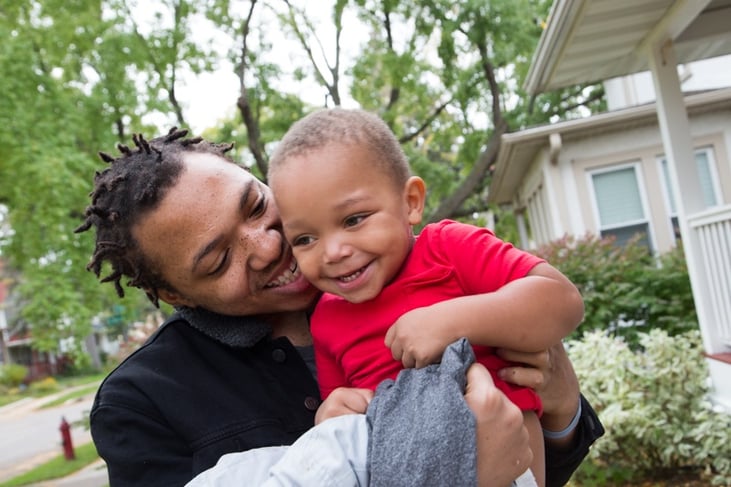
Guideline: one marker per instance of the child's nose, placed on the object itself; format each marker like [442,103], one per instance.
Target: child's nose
[336,249]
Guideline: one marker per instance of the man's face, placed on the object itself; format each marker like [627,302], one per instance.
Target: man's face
[216,239]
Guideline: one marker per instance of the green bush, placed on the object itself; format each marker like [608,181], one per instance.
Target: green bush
[12,375]
[626,289]
[654,405]
[44,386]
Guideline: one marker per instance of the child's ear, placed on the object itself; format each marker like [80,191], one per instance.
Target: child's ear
[415,195]
[174,299]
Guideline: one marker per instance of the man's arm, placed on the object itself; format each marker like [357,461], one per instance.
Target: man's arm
[563,460]
[138,450]
[552,376]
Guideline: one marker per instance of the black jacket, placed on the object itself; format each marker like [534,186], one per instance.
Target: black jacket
[183,400]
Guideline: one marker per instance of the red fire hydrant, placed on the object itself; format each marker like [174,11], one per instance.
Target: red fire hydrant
[68,446]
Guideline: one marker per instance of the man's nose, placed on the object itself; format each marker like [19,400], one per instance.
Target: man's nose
[263,247]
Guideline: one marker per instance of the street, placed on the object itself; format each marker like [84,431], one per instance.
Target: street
[30,435]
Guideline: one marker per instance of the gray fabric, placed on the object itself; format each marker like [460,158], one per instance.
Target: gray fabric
[225,329]
[422,432]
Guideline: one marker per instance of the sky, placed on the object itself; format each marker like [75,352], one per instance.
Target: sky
[208,97]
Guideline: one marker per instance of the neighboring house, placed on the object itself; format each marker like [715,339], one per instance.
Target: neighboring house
[608,175]
[658,163]
[3,317]
[15,341]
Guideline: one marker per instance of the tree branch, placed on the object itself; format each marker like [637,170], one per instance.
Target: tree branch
[411,136]
[488,156]
[244,104]
[472,182]
[157,65]
[332,88]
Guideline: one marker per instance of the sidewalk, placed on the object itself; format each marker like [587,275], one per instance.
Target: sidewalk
[93,475]
[30,437]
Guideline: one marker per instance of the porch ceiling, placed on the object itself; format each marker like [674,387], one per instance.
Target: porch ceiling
[593,40]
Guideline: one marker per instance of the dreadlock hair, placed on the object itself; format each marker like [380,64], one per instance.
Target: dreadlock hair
[134,184]
[349,127]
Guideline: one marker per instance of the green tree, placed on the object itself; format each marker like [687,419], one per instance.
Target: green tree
[52,125]
[83,75]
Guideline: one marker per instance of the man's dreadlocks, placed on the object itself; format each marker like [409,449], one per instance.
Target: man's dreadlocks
[133,185]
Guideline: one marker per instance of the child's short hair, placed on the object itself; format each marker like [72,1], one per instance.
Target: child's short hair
[344,126]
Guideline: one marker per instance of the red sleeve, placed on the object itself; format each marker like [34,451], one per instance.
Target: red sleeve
[482,261]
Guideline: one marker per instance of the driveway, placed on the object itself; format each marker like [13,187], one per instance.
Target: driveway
[30,435]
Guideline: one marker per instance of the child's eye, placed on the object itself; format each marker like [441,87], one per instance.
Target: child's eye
[303,240]
[352,221]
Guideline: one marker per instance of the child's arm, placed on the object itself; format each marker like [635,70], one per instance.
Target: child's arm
[528,314]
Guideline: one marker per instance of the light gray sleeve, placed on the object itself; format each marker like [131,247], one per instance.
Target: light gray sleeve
[332,454]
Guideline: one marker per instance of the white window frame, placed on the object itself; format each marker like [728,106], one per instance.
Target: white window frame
[713,173]
[636,166]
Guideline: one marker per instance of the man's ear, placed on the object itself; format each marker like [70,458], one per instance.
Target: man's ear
[415,195]
[174,299]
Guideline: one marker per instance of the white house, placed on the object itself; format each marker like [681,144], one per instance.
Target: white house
[658,162]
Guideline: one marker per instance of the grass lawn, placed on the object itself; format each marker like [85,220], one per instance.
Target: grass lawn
[56,467]
[76,393]
[15,394]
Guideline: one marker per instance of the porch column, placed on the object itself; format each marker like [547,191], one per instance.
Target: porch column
[522,228]
[678,145]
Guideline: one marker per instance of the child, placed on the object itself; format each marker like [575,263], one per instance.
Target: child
[348,203]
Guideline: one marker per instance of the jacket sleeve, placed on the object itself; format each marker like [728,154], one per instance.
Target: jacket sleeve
[562,463]
[138,449]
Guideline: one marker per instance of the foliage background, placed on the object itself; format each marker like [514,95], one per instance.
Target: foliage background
[626,290]
[653,402]
[83,75]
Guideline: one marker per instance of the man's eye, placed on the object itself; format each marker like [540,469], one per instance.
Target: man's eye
[260,206]
[221,265]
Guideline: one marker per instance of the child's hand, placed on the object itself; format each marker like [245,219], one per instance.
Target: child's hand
[419,337]
[344,400]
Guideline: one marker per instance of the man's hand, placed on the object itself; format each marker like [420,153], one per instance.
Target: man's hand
[344,400]
[503,450]
[552,376]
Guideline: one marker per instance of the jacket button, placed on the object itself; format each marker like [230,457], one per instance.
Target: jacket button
[311,403]
[279,355]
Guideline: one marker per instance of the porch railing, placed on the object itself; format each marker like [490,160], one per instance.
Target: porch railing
[712,234]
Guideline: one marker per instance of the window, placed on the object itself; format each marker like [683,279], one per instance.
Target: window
[619,204]
[706,166]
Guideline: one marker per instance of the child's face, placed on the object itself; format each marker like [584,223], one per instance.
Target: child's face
[348,223]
